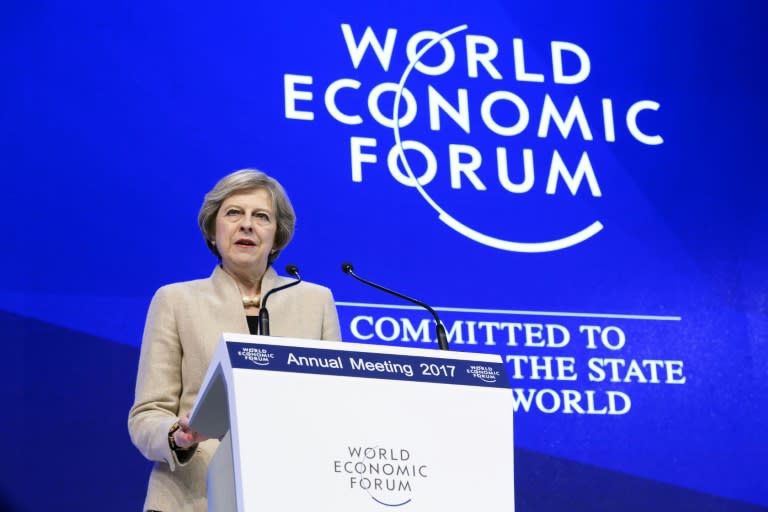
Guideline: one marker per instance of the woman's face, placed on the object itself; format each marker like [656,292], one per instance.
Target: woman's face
[245,230]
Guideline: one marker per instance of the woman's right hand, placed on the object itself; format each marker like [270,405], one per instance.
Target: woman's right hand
[185,437]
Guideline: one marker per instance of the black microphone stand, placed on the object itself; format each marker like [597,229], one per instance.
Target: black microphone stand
[442,338]
[263,313]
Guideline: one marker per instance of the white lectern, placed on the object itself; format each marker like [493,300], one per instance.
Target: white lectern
[346,427]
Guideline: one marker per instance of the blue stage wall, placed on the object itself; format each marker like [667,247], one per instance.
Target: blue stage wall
[585,198]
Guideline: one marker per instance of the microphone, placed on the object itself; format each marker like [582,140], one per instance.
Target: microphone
[291,269]
[442,339]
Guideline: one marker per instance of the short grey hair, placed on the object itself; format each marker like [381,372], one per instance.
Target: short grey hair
[240,181]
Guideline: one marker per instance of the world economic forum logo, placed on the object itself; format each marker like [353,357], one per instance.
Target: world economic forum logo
[484,373]
[534,110]
[258,356]
[389,476]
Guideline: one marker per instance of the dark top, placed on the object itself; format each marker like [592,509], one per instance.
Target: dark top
[253,324]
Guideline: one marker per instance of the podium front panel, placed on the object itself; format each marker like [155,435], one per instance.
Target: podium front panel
[367,428]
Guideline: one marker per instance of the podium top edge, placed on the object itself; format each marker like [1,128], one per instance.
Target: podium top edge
[230,337]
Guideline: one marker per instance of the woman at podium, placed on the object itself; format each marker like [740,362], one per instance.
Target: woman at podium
[246,220]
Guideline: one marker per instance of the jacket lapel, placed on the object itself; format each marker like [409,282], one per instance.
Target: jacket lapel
[231,316]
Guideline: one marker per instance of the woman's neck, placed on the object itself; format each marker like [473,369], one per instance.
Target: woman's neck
[248,281]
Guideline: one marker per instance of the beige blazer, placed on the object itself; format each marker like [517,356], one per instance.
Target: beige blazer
[184,325]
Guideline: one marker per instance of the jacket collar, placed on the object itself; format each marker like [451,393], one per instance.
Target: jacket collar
[226,286]
[232,314]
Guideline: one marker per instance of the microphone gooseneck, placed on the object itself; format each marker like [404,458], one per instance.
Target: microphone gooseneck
[442,338]
[291,269]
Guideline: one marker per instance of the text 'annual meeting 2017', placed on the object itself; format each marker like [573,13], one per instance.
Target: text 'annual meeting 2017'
[355,363]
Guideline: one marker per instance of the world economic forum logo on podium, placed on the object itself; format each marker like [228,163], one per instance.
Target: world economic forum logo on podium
[258,356]
[387,475]
[484,373]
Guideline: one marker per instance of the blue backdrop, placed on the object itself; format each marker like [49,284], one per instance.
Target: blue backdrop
[585,198]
